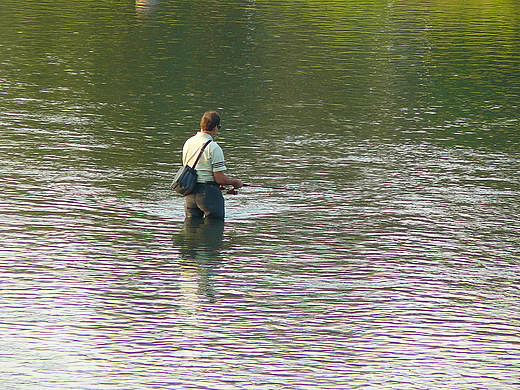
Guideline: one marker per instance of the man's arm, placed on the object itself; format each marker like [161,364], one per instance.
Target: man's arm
[223,179]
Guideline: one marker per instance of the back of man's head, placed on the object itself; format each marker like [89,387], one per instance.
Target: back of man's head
[209,121]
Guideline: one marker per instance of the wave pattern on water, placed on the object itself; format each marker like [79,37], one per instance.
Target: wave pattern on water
[403,277]
[397,266]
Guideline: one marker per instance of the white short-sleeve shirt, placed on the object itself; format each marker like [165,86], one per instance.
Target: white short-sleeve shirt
[212,160]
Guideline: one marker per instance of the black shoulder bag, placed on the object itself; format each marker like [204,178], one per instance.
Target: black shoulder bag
[185,180]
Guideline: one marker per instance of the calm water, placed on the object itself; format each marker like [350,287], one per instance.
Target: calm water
[397,268]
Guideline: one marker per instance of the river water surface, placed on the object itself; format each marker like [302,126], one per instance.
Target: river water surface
[392,260]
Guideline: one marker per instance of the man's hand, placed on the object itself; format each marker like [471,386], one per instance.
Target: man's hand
[222,179]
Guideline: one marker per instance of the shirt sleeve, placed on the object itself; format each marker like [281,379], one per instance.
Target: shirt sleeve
[217,159]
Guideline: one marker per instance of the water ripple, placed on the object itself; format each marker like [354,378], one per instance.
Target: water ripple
[391,261]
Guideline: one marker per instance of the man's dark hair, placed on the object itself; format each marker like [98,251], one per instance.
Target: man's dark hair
[209,120]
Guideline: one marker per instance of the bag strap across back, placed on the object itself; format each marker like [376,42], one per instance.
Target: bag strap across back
[200,154]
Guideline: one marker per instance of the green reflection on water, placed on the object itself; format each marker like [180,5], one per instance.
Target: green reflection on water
[105,85]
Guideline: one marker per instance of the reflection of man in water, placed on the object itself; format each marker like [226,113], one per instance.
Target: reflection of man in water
[199,245]
[202,238]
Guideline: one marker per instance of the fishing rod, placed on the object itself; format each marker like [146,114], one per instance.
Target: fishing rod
[233,191]
[274,187]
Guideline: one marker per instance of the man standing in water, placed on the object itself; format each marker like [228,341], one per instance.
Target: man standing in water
[206,199]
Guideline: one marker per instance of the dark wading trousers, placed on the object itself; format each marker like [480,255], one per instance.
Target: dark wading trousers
[206,200]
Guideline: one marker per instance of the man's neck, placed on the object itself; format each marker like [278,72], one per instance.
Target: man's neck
[210,133]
